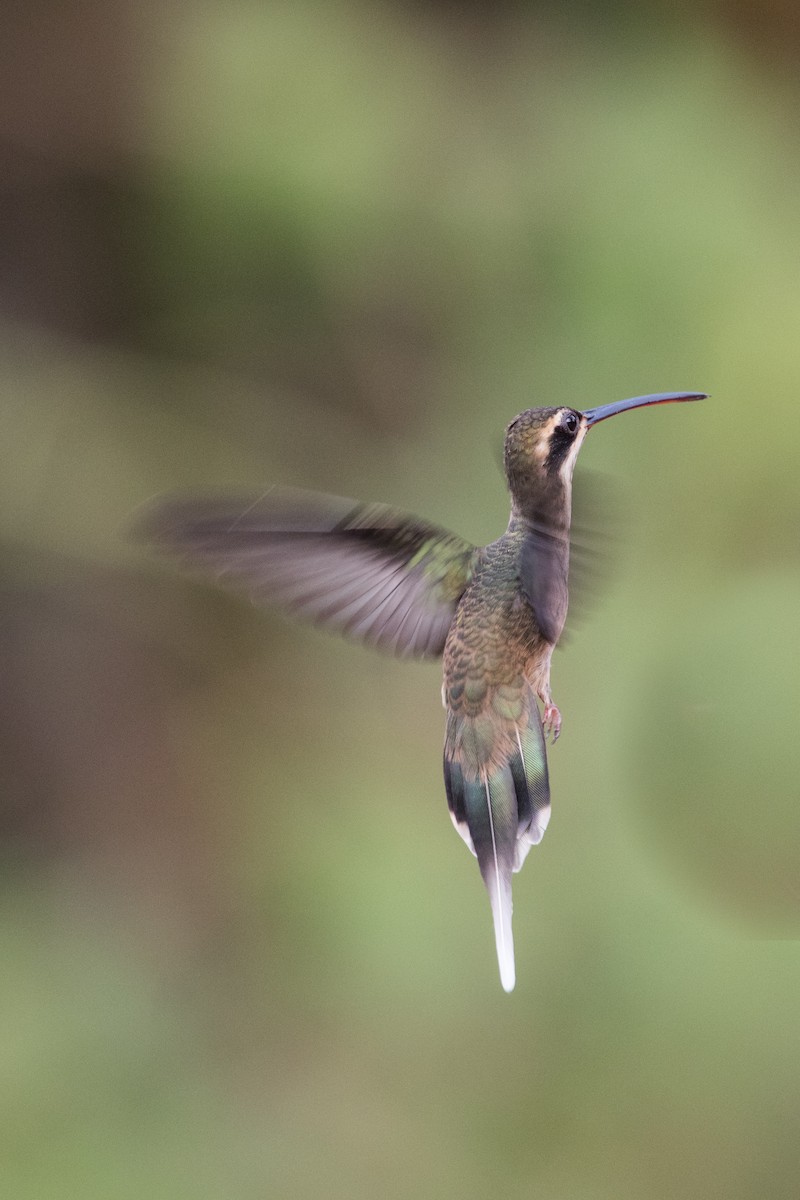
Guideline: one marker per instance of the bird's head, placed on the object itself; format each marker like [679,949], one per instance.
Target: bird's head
[542,445]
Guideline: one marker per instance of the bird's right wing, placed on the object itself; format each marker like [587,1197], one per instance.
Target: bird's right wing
[365,570]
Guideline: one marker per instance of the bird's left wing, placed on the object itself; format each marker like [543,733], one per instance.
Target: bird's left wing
[544,570]
[365,570]
[553,560]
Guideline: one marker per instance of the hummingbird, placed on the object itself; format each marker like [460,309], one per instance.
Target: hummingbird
[389,579]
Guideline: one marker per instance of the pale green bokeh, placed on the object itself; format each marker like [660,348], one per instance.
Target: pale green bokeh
[570,215]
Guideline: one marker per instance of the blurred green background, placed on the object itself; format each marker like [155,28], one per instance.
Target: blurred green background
[340,245]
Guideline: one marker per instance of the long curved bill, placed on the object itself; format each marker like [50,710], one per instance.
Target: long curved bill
[593,415]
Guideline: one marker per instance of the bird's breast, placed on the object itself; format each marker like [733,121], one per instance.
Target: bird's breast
[493,643]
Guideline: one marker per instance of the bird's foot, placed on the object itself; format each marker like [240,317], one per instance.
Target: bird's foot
[551,721]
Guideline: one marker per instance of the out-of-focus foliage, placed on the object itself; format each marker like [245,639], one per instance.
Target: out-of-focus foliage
[340,246]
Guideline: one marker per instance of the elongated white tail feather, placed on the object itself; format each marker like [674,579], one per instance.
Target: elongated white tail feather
[500,813]
[499,889]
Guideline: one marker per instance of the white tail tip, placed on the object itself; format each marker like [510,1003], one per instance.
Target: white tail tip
[508,977]
[500,898]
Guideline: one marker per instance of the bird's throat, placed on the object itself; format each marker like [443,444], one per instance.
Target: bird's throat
[545,507]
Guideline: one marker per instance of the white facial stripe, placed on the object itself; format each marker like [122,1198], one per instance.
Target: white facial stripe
[541,446]
[568,465]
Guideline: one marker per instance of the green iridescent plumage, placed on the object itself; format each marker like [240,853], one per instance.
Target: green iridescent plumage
[407,586]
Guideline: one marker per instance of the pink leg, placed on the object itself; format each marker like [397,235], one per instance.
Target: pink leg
[551,721]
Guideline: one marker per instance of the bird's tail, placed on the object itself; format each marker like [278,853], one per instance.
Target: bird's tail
[500,811]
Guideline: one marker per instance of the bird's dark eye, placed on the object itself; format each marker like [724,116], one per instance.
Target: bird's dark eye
[569,422]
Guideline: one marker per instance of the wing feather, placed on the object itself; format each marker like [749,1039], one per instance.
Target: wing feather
[365,570]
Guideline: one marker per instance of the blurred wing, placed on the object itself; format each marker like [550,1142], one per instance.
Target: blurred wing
[596,533]
[554,570]
[543,568]
[364,570]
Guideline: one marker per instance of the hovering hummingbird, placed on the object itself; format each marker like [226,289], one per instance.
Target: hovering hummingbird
[401,584]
